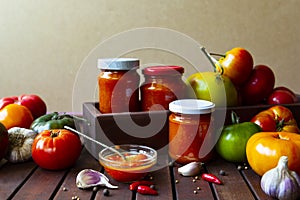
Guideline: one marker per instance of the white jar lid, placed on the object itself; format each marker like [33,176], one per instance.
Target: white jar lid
[118,63]
[191,106]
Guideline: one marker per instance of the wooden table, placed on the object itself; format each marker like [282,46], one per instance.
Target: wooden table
[28,181]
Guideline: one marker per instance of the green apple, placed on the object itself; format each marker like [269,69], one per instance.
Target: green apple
[212,86]
[233,140]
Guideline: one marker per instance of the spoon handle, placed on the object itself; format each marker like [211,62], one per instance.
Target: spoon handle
[93,140]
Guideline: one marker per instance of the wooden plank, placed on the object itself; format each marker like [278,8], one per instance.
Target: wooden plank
[117,194]
[187,185]
[68,188]
[234,186]
[41,184]
[254,182]
[12,176]
[163,185]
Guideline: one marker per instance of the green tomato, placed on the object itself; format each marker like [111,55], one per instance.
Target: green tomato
[233,140]
[212,86]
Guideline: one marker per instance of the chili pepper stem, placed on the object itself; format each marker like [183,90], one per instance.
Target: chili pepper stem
[95,141]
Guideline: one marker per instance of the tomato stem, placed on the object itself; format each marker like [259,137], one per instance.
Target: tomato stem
[217,54]
[279,125]
[54,134]
[216,65]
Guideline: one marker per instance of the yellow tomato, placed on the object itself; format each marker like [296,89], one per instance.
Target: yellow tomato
[264,149]
[14,115]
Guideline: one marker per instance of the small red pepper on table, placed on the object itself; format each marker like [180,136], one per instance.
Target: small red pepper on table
[144,189]
[134,186]
[211,178]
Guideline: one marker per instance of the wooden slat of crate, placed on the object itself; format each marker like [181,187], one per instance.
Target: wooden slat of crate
[105,129]
[234,186]
[12,177]
[247,112]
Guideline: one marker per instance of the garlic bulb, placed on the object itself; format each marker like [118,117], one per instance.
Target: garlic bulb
[89,178]
[20,143]
[280,182]
[190,169]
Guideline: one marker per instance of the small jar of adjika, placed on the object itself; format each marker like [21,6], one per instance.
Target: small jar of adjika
[163,84]
[118,84]
[190,124]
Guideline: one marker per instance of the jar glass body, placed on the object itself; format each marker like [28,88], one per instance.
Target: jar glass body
[159,90]
[187,133]
[118,91]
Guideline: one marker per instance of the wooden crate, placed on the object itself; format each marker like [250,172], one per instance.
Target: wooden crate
[106,127]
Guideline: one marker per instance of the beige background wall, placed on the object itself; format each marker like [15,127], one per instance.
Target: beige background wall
[43,43]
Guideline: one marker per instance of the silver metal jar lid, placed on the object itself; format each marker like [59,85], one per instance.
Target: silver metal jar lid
[118,63]
[192,106]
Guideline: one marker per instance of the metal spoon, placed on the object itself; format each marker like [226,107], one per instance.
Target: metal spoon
[97,142]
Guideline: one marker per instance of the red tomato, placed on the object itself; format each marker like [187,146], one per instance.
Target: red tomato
[33,102]
[237,65]
[282,95]
[264,149]
[281,113]
[259,86]
[286,89]
[276,118]
[56,149]
[265,121]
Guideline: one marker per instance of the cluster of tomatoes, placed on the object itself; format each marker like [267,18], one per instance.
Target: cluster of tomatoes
[255,83]
[52,149]
[261,141]
[20,111]
[279,137]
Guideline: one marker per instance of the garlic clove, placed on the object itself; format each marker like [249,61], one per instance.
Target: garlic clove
[89,178]
[190,169]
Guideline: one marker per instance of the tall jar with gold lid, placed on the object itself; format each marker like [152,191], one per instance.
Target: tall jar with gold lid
[118,83]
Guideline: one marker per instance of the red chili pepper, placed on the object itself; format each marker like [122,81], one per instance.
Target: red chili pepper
[211,178]
[143,189]
[133,186]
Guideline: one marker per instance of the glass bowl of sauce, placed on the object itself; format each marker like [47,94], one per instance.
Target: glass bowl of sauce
[134,163]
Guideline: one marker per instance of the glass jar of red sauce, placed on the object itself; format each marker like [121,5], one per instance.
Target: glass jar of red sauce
[163,84]
[118,83]
[190,123]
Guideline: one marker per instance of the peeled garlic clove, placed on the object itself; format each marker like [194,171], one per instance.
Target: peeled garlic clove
[190,169]
[89,178]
